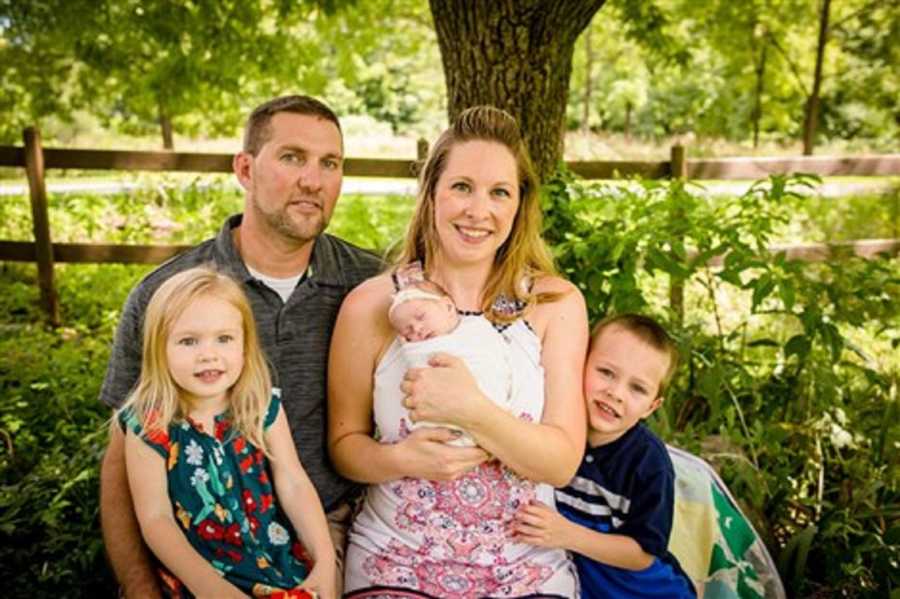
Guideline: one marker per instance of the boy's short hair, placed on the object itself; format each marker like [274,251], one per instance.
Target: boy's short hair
[650,332]
[257,130]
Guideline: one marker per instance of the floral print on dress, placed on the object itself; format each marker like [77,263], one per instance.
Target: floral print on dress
[465,526]
[224,501]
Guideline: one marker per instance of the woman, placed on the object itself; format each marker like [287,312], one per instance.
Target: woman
[437,519]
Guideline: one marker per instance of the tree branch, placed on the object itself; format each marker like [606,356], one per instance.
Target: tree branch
[793,66]
[866,8]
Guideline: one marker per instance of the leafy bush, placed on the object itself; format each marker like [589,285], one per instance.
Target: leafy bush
[54,430]
[800,418]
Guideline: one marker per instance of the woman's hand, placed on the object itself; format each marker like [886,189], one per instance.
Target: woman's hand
[446,392]
[427,455]
[322,580]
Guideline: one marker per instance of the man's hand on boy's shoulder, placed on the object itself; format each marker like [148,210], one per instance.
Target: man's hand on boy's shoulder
[538,524]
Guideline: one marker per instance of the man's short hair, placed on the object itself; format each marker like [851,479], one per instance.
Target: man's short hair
[257,131]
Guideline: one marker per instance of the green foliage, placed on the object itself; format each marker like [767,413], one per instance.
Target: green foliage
[53,430]
[376,223]
[715,68]
[666,67]
[199,65]
[774,387]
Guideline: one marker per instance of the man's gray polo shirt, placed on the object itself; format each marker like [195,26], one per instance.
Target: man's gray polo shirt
[295,337]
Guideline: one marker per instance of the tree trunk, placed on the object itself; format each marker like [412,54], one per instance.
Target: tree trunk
[165,124]
[588,81]
[628,108]
[760,85]
[811,118]
[517,56]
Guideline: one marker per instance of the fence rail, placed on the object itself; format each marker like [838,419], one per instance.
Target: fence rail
[35,160]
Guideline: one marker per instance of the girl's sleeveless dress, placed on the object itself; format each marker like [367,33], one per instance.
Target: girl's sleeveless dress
[224,501]
[421,538]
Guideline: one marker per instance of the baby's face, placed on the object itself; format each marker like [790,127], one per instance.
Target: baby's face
[419,319]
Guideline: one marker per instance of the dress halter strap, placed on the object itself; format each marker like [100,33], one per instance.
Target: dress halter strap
[405,275]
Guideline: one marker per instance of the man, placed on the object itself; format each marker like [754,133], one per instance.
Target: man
[295,276]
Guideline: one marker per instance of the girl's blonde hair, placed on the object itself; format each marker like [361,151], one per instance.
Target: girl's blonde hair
[523,255]
[157,401]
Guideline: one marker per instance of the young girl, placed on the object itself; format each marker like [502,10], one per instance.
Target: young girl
[199,427]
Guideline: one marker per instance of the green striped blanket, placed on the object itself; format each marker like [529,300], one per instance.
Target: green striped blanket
[713,541]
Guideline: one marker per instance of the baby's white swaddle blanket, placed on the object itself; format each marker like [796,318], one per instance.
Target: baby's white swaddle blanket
[485,353]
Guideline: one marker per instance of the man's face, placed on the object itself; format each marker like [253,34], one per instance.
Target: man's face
[294,181]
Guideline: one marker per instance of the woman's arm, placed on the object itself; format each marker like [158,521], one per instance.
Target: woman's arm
[361,334]
[301,503]
[149,488]
[448,393]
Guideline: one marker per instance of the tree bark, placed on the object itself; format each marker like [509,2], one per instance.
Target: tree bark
[588,81]
[811,118]
[165,125]
[516,56]
[760,86]
[628,108]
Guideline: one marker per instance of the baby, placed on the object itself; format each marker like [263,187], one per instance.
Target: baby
[427,322]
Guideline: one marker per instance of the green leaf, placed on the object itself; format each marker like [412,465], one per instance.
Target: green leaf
[787,291]
[763,343]
[762,288]
[798,345]
[832,337]
[792,559]
[892,536]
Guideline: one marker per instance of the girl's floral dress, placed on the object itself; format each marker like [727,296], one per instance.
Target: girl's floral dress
[223,499]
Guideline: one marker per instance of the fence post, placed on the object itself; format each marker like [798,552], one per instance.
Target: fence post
[34,168]
[678,166]
[421,154]
[422,149]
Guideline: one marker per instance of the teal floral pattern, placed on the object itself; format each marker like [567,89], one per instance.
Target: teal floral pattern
[223,499]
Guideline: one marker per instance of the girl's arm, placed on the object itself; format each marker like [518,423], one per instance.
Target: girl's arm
[448,393]
[149,489]
[361,333]
[301,503]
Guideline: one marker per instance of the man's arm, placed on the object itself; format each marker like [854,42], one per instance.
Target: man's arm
[130,558]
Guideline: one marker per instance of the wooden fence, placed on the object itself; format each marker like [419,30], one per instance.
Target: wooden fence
[36,159]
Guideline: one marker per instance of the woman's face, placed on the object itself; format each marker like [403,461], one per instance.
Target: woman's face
[475,201]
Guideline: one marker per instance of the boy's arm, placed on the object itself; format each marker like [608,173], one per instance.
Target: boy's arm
[539,525]
[301,503]
[149,488]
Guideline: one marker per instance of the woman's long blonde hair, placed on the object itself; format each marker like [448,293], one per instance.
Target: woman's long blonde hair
[523,255]
[157,400]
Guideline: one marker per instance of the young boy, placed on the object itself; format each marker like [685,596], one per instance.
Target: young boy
[617,511]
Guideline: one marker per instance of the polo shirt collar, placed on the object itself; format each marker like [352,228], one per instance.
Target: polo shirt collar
[324,263]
